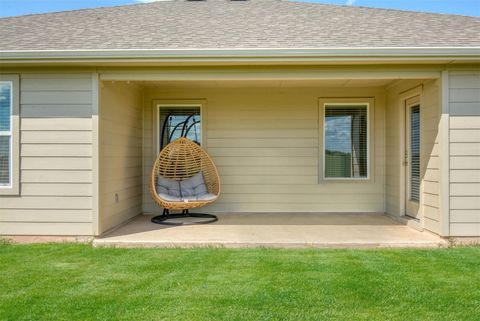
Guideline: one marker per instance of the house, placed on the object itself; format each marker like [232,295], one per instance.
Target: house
[304,107]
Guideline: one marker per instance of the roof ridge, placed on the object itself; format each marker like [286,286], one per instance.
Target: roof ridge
[140,4]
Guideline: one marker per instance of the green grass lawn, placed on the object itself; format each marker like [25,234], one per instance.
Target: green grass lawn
[78,282]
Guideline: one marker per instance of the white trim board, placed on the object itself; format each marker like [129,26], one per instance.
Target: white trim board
[444,52]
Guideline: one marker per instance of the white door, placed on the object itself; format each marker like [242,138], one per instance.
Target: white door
[412,157]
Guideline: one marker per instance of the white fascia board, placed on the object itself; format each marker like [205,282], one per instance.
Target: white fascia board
[453,53]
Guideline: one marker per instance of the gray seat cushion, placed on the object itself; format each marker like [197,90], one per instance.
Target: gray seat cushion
[169,198]
[190,189]
[204,197]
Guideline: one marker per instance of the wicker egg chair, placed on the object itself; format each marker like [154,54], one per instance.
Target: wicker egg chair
[178,163]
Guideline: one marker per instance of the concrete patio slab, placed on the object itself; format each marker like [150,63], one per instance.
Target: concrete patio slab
[286,230]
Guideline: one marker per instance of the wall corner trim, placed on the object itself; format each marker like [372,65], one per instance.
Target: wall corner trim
[444,176]
[96,228]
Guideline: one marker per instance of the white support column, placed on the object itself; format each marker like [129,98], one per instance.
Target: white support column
[95,155]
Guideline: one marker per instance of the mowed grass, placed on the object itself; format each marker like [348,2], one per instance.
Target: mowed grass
[78,282]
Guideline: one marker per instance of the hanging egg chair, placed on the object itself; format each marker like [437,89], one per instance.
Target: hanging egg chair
[184,177]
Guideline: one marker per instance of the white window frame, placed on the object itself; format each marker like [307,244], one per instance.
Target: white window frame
[369,103]
[179,104]
[9,135]
[13,187]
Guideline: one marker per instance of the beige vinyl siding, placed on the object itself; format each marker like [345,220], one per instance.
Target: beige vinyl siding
[265,142]
[464,103]
[120,154]
[56,158]
[430,118]
[430,164]
[393,141]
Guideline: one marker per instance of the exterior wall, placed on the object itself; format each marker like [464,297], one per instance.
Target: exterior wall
[429,135]
[56,158]
[120,154]
[265,143]
[464,107]
[393,141]
[430,162]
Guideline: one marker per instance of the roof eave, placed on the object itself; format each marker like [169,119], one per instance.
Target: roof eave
[330,54]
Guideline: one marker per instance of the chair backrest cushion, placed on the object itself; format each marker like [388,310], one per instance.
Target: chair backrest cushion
[193,186]
[168,186]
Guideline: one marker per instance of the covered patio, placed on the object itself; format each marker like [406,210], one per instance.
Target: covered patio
[266,132]
[286,230]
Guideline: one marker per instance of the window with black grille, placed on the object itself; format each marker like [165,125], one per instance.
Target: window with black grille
[179,121]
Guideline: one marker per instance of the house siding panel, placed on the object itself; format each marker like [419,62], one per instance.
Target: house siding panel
[430,143]
[120,154]
[464,103]
[56,158]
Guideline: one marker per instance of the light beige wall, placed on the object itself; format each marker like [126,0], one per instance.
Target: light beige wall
[429,135]
[430,162]
[120,153]
[393,141]
[265,144]
[464,106]
[56,158]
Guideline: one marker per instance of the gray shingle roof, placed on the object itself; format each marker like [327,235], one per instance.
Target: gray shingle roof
[236,24]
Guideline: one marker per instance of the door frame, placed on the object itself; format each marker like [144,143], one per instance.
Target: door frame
[403,97]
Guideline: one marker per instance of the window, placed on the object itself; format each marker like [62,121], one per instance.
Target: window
[6,109]
[346,141]
[9,135]
[175,121]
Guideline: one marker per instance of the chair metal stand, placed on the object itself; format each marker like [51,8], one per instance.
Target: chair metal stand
[163,219]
